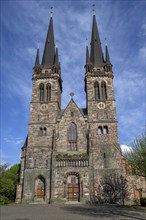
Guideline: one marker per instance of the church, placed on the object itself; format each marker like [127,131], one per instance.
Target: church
[67,151]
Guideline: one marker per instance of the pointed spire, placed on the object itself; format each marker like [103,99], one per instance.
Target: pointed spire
[37,62]
[96,55]
[49,49]
[56,57]
[107,55]
[87,55]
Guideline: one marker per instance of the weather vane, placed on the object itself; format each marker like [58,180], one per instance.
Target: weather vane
[71,94]
[51,11]
[93,8]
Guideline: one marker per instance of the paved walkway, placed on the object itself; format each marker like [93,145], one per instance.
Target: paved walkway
[70,212]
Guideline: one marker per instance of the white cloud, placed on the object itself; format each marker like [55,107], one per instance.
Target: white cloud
[125,148]
[14,140]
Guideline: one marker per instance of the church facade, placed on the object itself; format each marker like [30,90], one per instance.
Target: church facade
[68,150]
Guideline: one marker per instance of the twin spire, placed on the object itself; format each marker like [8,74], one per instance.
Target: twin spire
[96,54]
[50,56]
[96,58]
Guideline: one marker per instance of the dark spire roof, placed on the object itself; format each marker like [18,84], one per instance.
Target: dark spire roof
[96,55]
[49,49]
[37,62]
[107,55]
[56,57]
[87,55]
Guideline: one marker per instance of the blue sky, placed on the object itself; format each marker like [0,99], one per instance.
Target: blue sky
[25,23]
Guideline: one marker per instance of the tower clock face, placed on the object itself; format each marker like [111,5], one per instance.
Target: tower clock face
[44,107]
[101,105]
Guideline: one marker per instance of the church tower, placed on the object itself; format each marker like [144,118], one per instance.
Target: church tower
[105,154]
[44,108]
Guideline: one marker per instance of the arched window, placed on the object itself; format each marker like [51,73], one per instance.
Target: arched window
[41,132]
[105,130]
[41,92]
[103,90]
[45,131]
[72,136]
[100,131]
[48,88]
[97,90]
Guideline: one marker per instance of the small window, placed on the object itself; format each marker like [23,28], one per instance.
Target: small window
[72,114]
[105,130]
[73,179]
[41,132]
[45,131]
[100,130]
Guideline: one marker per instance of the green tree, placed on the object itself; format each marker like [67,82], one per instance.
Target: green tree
[8,183]
[137,156]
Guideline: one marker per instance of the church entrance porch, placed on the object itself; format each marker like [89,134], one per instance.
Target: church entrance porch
[73,187]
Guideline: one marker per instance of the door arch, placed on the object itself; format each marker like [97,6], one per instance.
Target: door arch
[73,186]
[40,188]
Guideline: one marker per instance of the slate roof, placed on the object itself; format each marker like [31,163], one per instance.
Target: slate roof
[96,54]
[49,49]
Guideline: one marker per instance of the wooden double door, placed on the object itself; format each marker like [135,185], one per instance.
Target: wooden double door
[40,192]
[73,188]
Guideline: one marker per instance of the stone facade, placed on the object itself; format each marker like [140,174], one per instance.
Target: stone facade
[68,150]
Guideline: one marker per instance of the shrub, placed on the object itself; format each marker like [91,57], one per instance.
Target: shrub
[4,200]
[143,201]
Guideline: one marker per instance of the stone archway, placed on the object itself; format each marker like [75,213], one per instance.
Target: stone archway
[39,188]
[72,186]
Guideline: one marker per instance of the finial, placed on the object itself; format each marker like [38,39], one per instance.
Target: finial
[56,43]
[51,12]
[38,44]
[105,41]
[71,94]
[86,41]
[93,8]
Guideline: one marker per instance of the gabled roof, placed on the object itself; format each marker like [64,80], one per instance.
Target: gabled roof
[82,111]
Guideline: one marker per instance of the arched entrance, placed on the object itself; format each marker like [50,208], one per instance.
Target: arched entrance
[40,188]
[73,186]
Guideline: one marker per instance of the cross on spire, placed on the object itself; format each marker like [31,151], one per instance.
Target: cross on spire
[93,9]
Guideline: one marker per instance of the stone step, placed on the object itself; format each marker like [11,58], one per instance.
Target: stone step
[73,202]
